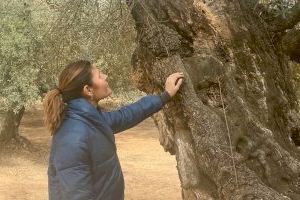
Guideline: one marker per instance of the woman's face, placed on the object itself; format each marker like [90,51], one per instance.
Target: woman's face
[100,86]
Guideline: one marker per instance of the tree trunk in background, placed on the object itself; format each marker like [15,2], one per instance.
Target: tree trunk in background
[234,125]
[10,123]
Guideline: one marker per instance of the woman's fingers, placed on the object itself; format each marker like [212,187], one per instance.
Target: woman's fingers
[177,73]
[174,78]
[177,77]
[179,82]
[173,82]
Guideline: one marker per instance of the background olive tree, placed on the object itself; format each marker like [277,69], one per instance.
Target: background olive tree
[38,38]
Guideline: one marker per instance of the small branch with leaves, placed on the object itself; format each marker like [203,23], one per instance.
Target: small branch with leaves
[287,20]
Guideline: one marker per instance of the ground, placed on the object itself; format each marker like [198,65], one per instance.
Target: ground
[149,172]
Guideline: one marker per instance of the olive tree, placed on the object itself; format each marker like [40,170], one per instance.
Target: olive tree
[38,38]
[18,66]
[234,125]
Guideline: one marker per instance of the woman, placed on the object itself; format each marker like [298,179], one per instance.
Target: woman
[83,162]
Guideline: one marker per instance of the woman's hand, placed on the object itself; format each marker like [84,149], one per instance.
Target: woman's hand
[173,83]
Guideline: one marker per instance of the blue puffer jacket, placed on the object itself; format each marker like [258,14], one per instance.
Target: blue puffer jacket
[83,162]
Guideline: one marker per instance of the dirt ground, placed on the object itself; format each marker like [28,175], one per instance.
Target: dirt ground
[149,172]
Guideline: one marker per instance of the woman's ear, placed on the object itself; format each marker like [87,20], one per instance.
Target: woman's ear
[87,91]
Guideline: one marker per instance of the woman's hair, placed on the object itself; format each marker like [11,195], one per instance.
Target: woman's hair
[71,82]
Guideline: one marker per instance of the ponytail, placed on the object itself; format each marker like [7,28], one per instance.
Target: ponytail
[53,110]
[70,84]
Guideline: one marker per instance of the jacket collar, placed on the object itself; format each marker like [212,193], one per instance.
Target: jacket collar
[80,108]
[84,108]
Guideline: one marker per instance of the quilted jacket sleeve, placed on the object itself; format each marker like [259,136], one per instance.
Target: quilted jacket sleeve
[73,171]
[132,114]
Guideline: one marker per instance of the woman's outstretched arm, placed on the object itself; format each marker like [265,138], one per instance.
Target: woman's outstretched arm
[132,114]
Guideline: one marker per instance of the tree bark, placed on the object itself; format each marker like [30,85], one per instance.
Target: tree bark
[234,124]
[10,125]
[291,44]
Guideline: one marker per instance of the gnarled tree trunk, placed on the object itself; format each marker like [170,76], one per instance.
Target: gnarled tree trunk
[10,123]
[234,125]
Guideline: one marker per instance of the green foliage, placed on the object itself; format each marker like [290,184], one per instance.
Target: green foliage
[39,38]
[278,5]
[101,31]
[18,64]
[275,8]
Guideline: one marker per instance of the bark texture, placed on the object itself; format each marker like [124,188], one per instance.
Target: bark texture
[10,123]
[234,125]
[291,46]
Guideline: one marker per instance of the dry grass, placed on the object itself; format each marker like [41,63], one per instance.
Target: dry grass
[149,172]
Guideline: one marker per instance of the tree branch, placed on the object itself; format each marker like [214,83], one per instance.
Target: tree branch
[291,44]
[288,20]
